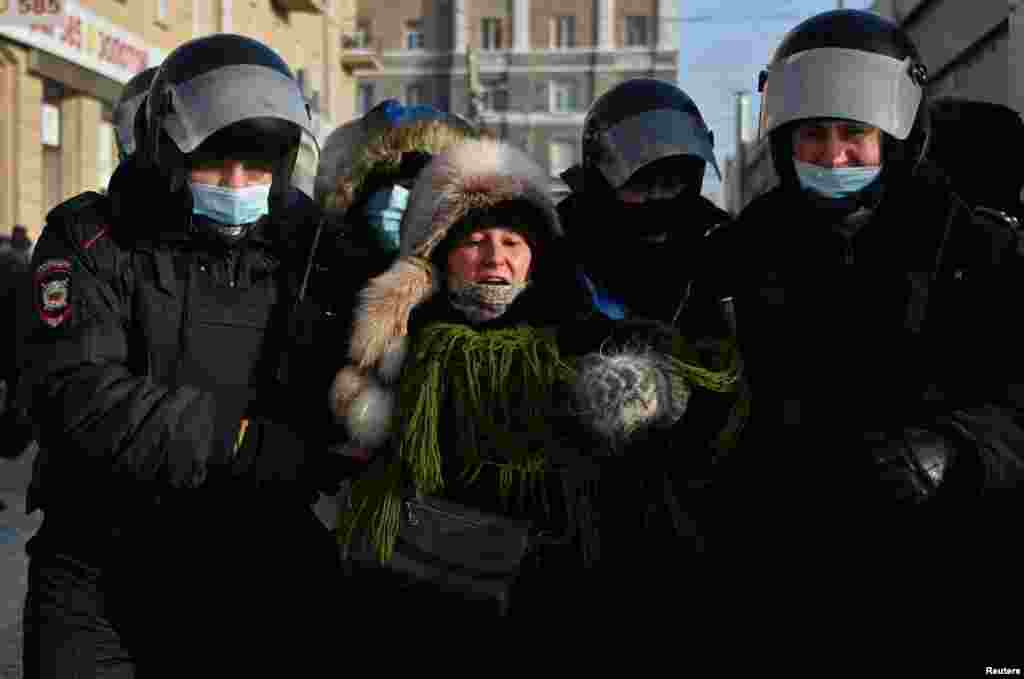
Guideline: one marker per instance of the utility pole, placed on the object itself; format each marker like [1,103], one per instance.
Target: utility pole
[740,155]
[840,4]
[473,87]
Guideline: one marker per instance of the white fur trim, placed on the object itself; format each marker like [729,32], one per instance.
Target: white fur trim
[369,418]
[382,318]
[390,365]
[346,386]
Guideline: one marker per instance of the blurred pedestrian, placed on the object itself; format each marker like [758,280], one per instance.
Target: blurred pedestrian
[20,242]
[16,432]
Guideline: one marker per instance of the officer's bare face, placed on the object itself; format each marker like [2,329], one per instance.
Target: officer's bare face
[495,255]
[236,172]
[838,144]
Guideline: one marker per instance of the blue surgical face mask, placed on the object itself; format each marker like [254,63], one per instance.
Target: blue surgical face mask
[231,207]
[384,210]
[835,182]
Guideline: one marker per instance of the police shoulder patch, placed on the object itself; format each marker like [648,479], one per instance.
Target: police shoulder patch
[52,281]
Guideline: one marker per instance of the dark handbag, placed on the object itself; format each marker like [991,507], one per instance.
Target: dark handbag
[457,549]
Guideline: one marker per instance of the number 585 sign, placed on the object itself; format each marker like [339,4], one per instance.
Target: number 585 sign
[26,12]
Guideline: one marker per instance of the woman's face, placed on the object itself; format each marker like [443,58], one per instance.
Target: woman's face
[492,255]
[833,144]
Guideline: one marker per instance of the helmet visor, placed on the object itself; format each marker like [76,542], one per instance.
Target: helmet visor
[224,96]
[649,136]
[865,87]
[124,122]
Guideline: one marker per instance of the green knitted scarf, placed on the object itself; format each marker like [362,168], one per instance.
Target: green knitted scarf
[500,384]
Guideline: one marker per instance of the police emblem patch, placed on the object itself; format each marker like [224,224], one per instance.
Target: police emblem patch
[53,283]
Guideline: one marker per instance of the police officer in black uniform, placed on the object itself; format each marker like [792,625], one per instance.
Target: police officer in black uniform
[636,198]
[182,432]
[871,306]
[638,225]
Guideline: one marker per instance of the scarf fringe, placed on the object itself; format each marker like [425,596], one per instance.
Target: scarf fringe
[501,383]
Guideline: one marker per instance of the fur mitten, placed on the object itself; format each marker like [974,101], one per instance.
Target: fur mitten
[617,396]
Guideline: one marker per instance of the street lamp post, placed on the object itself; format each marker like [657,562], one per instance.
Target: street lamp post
[474,87]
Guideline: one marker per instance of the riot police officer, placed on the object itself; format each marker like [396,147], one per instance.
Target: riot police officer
[636,197]
[864,291]
[181,444]
[638,225]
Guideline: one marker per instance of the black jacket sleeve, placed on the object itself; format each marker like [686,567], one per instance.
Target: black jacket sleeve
[91,409]
[985,426]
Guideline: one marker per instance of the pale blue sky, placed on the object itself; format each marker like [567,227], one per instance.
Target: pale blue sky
[723,45]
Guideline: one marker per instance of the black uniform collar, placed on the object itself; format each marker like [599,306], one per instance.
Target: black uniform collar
[905,223]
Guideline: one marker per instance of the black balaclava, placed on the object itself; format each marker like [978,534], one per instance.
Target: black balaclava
[633,246]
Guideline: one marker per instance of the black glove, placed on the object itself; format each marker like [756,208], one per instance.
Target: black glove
[911,464]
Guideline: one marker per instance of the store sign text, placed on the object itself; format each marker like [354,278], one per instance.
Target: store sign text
[97,43]
[26,12]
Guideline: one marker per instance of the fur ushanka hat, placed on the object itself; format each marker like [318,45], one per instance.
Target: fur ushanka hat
[473,176]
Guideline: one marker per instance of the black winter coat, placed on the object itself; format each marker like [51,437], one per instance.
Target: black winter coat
[655,281]
[856,344]
[149,347]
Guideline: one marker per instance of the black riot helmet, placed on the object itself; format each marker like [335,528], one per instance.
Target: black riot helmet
[128,127]
[229,93]
[642,121]
[849,65]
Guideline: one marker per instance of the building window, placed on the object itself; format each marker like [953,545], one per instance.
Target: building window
[414,95]
[563,31]
[162,10]
[365,99]
[490,33]
[563,97]
[495,96]
[359,38]
[561,156]
[53,93]
[639,31]
[51,124]
[414,35]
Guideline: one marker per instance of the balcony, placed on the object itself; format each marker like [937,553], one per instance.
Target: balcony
[304,6]
[358,54]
